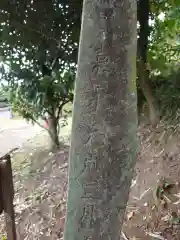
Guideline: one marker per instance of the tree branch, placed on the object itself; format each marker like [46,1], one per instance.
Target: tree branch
[40,125]
[55,60]
[16,23]
[57,56]
[61,107]
[59,112]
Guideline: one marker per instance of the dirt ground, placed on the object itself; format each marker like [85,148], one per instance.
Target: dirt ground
[40,179]
[154,202]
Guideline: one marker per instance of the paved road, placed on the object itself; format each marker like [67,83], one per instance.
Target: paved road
[14,136]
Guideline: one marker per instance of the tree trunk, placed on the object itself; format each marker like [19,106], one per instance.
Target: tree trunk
[146,88]
[53,132]
[143,74]
[103,141]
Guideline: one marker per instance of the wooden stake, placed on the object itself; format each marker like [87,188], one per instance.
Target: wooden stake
[7,191]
